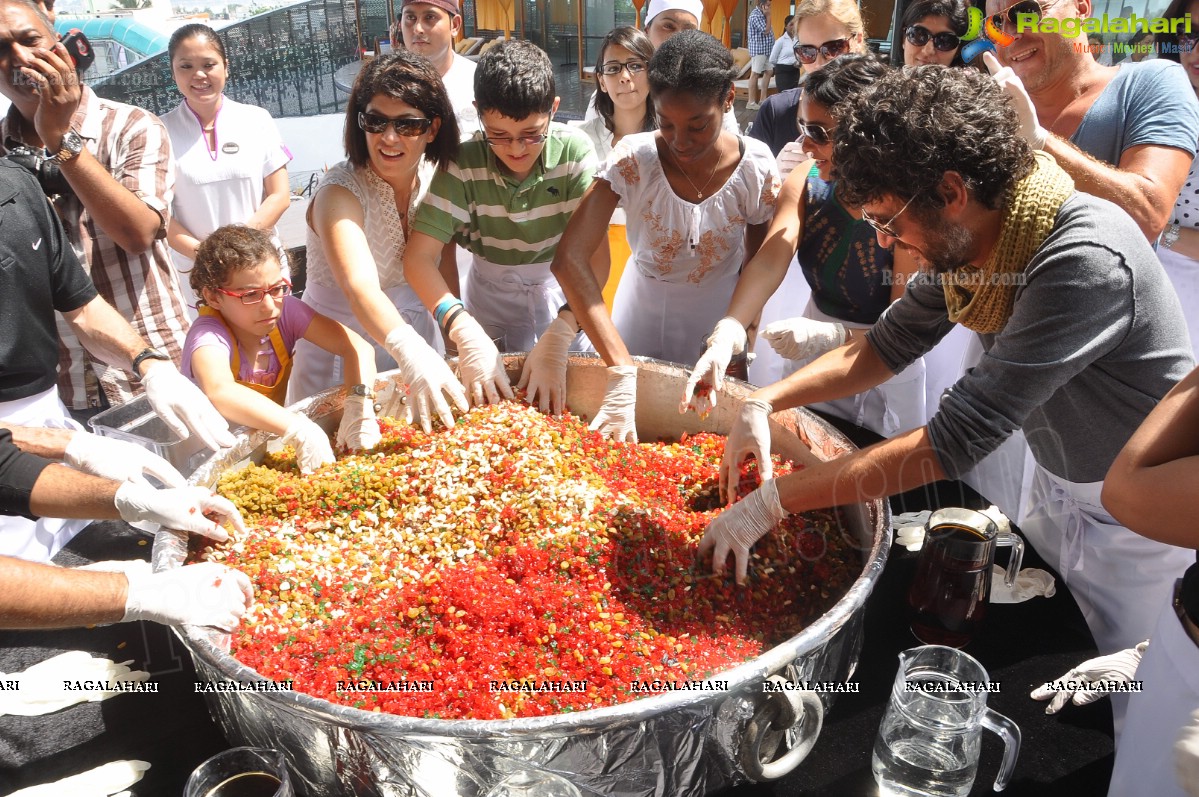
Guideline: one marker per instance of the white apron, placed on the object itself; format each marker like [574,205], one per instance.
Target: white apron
[669,320]
[513,304]
[895,406]
[1184,276]
[1170,675]
[1119,578]
[314,369]
[793,293]
[40,540]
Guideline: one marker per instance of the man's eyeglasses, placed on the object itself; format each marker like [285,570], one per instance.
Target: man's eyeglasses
[528,141]
[256,295]
[817,134]
[612,68]
[944,41]
[807,53]
[407,126]
[887,228]
[1012,13]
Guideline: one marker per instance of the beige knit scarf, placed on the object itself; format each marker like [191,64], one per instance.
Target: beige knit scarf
[982,298]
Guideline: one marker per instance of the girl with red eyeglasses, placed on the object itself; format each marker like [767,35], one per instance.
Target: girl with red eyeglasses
[239,351]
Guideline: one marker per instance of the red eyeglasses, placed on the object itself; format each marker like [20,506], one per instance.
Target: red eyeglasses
[256,295]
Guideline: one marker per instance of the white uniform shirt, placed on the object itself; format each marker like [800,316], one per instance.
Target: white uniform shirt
[225,187]
[460,85]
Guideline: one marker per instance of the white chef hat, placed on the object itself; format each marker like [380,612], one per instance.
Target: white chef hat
[693,7]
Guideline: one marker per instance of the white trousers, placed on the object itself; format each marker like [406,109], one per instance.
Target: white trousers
[1170,675]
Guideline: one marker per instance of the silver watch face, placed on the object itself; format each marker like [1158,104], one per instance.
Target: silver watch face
[362,390]
[72,142]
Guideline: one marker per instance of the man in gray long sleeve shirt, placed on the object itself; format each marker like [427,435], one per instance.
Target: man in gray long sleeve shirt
[1083,337]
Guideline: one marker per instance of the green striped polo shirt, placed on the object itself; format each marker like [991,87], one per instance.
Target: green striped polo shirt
[475,205]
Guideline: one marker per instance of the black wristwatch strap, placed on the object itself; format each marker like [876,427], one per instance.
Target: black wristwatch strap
[148,354]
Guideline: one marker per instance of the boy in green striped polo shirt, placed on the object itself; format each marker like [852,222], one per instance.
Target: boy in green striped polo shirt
[505,200]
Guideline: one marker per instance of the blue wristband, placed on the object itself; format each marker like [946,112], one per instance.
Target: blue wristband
[445,307]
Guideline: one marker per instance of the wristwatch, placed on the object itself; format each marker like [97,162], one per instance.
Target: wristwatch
[72,145]
[1170,236]
[148,354]
[361,390]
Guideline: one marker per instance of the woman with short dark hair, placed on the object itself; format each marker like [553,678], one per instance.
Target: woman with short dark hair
[932,31]
[399,128]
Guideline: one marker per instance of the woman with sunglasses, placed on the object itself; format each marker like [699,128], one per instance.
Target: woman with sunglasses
[824,29]
[932,31]
[230,163]
[852,279]
[239,350]
[399,128]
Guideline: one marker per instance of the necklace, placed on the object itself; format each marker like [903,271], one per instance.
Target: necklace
[699,192]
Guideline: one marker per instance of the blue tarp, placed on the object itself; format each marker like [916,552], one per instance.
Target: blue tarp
[136,36]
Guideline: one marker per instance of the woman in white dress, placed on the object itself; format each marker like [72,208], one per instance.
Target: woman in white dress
[697,199]
[230,163]
[400,126]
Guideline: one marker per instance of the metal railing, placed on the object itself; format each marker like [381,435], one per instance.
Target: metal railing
[282,60]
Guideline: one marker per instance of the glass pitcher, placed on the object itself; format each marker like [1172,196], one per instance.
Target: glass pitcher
[952,586]
[928,742]
[241,772]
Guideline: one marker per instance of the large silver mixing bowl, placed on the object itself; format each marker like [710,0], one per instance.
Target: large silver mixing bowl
[671,744]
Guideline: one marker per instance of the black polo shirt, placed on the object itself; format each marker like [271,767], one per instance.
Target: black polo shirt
[39,274]
[775,125]
[18,473]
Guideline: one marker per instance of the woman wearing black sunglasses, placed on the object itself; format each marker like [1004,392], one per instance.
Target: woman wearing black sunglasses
[932,31]
[399,127]
[852,279]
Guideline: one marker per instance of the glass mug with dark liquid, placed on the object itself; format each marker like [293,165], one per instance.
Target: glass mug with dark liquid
[241,772]
[948,597]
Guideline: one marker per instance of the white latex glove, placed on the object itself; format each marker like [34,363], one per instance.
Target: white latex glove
[1186,757]
[310,442]
[104,781]
[41,689]
[789,157]
[799,338]
[479,362]
[207,594]
[617,416]
[544,371]
[428,376]
[1026,112]
[195,510]
[750,435]
[909,529]
[727,338]
[359,428]
[183,406]
[1119,666]
[118,460]
[738,527]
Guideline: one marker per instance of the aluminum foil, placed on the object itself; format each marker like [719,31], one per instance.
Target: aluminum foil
[673,744]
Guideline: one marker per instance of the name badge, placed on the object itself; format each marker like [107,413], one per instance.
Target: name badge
[230,148]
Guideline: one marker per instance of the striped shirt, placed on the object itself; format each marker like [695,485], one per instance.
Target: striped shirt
[475,205]
[133,145]
[761,37]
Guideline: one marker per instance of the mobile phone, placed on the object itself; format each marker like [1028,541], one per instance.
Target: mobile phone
[79,48]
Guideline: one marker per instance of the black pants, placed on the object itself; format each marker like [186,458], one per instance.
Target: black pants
[786,76]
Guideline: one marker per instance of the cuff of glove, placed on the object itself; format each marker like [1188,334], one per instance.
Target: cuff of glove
[616,372]
[1040,137]
[759,404]
[297,428]
[400,338]
[729,330]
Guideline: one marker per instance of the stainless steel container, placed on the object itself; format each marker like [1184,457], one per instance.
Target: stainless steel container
[672,744]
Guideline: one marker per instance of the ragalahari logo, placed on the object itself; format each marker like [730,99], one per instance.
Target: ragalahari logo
[986,33]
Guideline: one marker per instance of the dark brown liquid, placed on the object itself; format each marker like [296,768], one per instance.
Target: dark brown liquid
[948,598]
[249,784]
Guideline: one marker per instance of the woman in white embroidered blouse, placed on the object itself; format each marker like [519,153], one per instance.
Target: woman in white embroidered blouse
[698,199]
[399,127]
